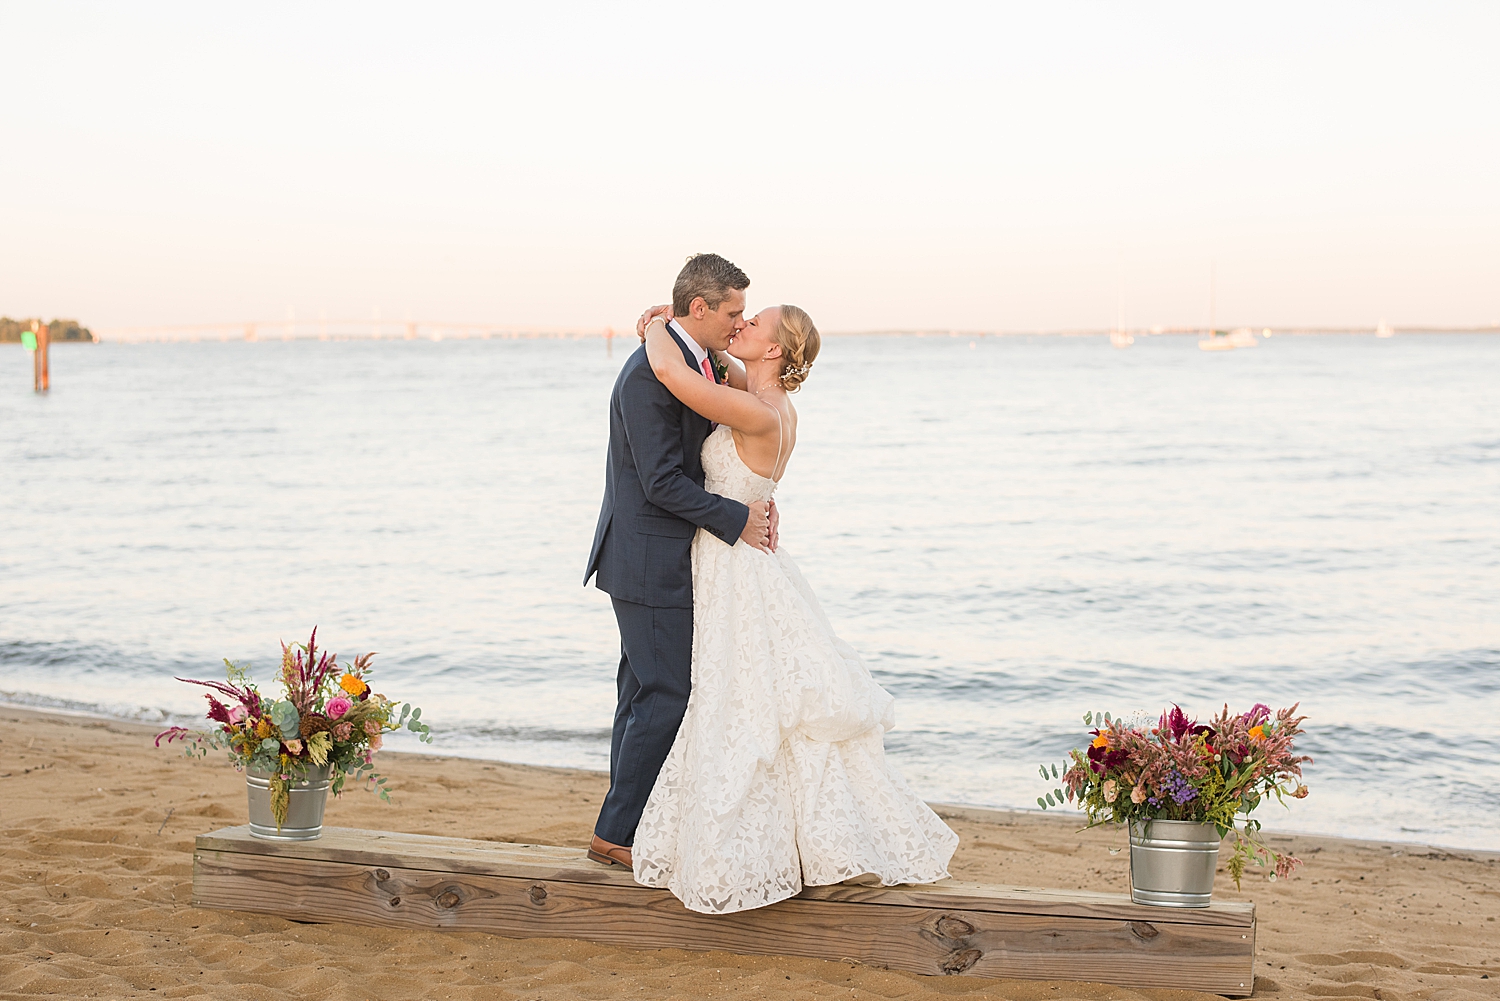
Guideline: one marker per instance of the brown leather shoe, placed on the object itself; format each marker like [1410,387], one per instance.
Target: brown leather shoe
[602,851]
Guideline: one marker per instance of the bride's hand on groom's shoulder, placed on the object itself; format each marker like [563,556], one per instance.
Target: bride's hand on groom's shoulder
[648,316]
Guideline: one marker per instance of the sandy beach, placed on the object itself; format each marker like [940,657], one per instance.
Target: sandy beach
[98,829]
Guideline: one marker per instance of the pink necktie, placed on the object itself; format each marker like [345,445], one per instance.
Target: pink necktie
[709,372]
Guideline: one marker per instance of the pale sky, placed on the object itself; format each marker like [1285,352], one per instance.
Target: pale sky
[976,166]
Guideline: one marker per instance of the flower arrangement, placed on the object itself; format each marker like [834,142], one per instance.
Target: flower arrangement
[329,718]
[1180,769]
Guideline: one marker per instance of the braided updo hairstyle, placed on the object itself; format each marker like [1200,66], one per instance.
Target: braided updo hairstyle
[799,342]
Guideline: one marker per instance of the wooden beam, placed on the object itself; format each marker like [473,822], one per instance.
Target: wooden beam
[529,891]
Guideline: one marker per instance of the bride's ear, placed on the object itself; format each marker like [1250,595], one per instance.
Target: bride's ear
[773,352]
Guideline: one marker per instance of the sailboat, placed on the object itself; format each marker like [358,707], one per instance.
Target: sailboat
[1215,341]
[1118,336]
[1239,337]
[1384,330]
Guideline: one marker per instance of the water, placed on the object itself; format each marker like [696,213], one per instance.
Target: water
[1012,532]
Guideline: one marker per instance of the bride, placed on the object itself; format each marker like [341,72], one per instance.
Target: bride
[777,778]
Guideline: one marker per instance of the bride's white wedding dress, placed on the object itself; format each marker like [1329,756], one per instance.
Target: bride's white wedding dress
[778,775]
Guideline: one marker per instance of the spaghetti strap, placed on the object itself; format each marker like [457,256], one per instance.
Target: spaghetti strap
[776,466]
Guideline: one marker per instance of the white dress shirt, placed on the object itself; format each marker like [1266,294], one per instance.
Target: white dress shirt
[700,353]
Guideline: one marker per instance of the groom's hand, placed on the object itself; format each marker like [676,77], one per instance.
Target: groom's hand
[647,317]
[757,532]
[773,524]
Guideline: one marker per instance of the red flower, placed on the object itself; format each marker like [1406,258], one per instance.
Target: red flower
[217,710]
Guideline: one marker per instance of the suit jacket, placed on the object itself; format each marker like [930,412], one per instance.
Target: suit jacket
[654,499]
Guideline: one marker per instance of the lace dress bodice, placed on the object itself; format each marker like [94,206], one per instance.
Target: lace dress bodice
[725,473]
[777,777]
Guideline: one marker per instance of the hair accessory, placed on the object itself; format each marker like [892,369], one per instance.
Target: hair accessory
[797,371]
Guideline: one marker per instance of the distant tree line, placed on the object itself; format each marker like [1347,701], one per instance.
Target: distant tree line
[58,330]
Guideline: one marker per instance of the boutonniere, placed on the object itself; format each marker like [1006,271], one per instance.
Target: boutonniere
[721,369]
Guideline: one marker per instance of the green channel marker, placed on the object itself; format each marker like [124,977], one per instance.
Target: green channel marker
[28,340]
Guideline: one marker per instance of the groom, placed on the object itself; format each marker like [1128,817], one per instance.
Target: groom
[654,502]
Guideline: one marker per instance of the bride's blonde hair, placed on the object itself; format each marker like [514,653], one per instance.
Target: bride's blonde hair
[799,342]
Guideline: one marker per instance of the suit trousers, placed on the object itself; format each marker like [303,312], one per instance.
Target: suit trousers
[655,679]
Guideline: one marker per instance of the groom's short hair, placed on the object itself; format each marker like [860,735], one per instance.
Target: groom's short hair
[708,276]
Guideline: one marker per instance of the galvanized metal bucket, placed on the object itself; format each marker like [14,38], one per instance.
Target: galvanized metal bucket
[304,813]
[1172,862]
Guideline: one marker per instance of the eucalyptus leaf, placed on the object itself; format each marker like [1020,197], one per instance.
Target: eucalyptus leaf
[284,715]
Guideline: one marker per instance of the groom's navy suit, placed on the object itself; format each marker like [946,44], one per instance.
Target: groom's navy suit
[654,502]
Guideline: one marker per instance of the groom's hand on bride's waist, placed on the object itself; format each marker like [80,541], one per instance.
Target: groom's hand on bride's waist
[773,517]
[757,531]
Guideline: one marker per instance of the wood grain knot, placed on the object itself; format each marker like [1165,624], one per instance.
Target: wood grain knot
[960,961]
[448,899]
[951,927]
[381,875]
[1143,930]
[538,894]
[395,901]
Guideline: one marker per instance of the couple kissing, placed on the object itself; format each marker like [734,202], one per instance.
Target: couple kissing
[747,756]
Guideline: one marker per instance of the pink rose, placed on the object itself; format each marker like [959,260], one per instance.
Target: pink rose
[372,727]
[337,706]
[342,731]
[1111,790]
[1138,794]
[236,714]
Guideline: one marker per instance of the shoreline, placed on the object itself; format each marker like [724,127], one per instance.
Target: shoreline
[99,830]
[981,814]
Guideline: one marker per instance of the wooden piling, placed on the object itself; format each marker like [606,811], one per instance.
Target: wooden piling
[41,370]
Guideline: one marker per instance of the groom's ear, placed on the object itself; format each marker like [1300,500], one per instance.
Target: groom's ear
[698,308]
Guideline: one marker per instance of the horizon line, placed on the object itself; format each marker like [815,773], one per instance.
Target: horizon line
[437,330]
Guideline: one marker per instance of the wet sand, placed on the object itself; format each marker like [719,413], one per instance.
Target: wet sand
[97,828]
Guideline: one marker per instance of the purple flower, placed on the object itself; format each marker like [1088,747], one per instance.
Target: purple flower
[1180,789]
